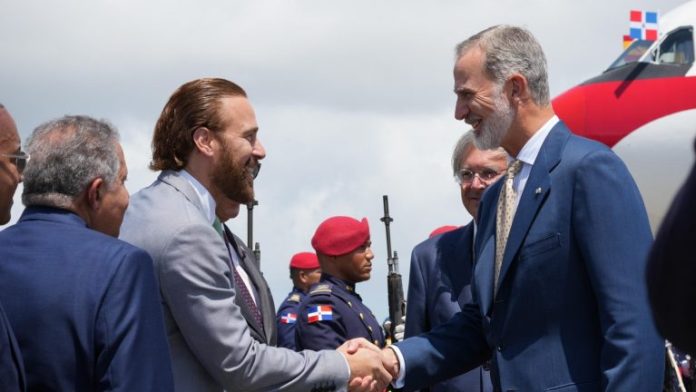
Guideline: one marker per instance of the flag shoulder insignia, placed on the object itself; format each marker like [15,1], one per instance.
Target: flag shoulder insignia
[288,318]
[319,313]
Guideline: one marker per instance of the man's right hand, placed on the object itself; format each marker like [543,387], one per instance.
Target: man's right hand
[367,372]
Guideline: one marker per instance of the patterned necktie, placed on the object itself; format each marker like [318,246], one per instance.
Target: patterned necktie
[239,284]
[504,215]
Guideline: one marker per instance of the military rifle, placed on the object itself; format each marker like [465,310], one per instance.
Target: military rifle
[397,303]
[250,229]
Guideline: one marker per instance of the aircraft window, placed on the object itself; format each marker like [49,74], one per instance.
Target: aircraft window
[634,52]
[676,48]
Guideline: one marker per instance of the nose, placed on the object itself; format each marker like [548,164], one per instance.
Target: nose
[460,109]
[259,151]
[368,254]
[477,182]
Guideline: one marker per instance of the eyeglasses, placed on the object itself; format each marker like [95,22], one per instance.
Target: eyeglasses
[466,176]
[19,159]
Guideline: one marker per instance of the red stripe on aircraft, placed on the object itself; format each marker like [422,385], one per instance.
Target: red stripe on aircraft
[608,111]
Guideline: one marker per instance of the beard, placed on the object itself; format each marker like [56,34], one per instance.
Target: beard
[494,128]
[234,180]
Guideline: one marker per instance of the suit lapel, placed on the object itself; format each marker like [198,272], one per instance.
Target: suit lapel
[243,261]
[535,193]
[484,248]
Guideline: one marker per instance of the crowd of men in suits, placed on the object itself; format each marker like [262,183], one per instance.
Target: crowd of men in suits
[544,291]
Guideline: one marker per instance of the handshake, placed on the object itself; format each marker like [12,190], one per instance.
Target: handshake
[371,368]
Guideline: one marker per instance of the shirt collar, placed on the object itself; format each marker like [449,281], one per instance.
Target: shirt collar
[204,196]
[530,150]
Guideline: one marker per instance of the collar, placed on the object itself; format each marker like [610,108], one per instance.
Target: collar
[204,196]
[347,286]
[45,213]
[530,150]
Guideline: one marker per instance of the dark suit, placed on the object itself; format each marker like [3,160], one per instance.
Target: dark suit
[84,306]
[12,377]
[672,271]
[266,333]
[439,285]
[571,313]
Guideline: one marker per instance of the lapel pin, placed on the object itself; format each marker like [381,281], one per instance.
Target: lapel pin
[537,191]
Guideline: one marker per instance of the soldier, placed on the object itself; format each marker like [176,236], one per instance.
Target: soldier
[304,272]
[333,312]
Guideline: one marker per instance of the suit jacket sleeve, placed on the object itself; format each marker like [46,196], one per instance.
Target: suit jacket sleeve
[672,272]
[196,285]
[448,350]
[132,347]
[613,236]
[417,311]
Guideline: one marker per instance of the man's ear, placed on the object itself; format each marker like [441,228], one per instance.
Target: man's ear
[95,193]
[203,140]
[519,89]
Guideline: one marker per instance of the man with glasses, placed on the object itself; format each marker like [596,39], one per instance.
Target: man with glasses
[439,283]
[12,162]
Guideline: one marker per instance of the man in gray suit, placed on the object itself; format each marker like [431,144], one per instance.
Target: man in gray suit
[205,143]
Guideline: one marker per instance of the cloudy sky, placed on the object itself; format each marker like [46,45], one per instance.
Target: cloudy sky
[354,98]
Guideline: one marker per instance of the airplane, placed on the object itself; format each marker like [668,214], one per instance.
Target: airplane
[644,108]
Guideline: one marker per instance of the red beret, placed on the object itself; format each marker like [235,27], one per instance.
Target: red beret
[340,235]
[304,260]
[441,230]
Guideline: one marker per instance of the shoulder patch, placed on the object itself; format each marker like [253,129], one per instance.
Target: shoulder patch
[321,289]
[288,318]
[319,313]
[294,298]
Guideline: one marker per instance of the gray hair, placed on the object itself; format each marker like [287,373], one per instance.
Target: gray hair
[508,50]
[464,146]
[66,155]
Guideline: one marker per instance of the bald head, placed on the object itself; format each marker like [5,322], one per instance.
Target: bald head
[9,175]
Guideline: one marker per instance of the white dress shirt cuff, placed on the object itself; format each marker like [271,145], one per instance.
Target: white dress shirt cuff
[399,382]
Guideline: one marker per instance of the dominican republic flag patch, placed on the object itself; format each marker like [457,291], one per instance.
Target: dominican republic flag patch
[319,313]
[288,318]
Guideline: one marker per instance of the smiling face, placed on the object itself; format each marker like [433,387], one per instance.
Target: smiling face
[481,101]
[238,151]
[480,161]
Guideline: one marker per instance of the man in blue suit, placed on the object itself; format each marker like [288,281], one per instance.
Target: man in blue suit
[84,305]
[12,163]
[560,301]
[441,266]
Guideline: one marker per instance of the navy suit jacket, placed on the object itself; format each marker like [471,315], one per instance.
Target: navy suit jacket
[571,313]
[11,365]
[439,285]
[84,306]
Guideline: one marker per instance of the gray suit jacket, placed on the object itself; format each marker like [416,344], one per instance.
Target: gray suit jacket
[210,342]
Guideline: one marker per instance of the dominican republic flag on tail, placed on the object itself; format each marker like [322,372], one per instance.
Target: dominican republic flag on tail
[319,313]
[644,25]
[288,318]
